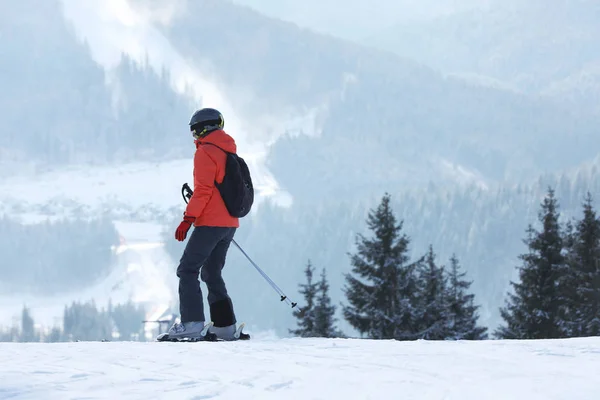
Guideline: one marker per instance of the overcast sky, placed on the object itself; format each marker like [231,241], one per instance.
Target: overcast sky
[357,19]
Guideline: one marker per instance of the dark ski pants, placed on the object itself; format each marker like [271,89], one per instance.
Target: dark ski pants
[204,256]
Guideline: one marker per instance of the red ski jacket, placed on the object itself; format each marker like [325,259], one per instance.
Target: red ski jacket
[206,204]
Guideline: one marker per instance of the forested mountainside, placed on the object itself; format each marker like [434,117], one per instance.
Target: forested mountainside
[59,106]
[370,105]
[54,257]
[384,120]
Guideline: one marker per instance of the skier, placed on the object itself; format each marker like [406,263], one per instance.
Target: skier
[214,229]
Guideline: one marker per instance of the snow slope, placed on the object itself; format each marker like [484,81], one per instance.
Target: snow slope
[268,368]
[143,273]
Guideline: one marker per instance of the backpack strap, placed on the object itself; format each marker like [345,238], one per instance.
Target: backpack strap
[217,183]
[218,147]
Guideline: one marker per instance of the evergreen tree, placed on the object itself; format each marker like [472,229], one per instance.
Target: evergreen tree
[324,311]
[55,335]
[532,312]
[27,326]
[568,284]
[305,315]
[86,322]
[433,309]
[10,335]
[581,280]
[462,313]
[128,319]
[382,292]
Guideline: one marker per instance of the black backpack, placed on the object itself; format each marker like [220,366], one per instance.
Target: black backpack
[236,189]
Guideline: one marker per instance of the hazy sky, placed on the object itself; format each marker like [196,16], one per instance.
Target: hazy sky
[356,19]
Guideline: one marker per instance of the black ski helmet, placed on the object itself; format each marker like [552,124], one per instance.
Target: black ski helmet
[204,121]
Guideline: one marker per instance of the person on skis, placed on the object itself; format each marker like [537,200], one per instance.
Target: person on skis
[214,229]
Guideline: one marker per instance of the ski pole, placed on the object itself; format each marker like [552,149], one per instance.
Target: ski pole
[260,271]
[187,193]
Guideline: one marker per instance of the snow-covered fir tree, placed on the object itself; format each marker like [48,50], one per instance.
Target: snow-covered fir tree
[324,311]
[305,314]
[381,289]
[462,312]
[532,311]
[581,279]
[433,307]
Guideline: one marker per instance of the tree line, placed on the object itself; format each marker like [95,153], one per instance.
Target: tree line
[51,257]
[558,292]
[82,322]
[388,296]
[482,226]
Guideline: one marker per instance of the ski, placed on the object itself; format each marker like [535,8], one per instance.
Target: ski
[206,336]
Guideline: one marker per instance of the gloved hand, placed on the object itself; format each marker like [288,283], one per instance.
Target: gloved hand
[184,227]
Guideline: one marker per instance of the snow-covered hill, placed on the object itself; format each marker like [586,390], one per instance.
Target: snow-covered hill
[139,198]
[143,273]
[137,191]
[269,368]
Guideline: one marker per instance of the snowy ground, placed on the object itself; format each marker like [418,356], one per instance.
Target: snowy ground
[270,368]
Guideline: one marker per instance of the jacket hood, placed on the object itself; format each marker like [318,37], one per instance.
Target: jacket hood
[219,138]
